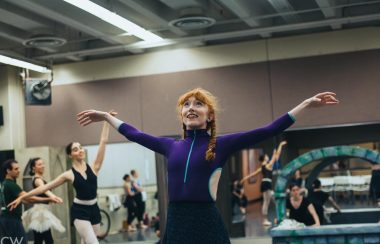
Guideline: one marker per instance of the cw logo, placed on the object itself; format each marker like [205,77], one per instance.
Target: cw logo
[11,240]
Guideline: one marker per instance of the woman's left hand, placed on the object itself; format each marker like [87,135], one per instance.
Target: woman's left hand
[322,99]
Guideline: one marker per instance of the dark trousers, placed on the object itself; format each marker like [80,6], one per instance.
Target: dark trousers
[46,236]
[12,231]
[140,209]
[131,208]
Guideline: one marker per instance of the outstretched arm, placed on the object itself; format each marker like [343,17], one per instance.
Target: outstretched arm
[276,154]
[321,99]
[237,141]
[336,206]
[39,182]
[157,144]
[97,164]
[35,199]
[41,189]
[250,175]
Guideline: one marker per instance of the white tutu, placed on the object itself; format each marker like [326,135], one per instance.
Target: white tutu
[39,218]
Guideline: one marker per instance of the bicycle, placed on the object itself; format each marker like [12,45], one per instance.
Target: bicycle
[105,224]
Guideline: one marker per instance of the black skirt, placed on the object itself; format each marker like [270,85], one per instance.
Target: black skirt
[194,223]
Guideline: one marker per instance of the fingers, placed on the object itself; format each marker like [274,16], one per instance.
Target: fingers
[83,112]
[325,93]
[84,120]
[12,205]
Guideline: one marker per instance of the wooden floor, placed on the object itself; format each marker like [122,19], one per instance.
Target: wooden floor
[255,231]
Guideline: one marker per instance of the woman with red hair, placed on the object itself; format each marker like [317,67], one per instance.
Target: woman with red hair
[195,162]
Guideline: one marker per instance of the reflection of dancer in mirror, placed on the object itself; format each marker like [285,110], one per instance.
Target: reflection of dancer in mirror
[85,213]
[140,198]
[318,198]
[238,197]
[39,218]
[300,209]
[129,202]
[266,183]
[195,162]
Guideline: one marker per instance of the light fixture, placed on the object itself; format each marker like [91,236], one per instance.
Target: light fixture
[114,19]
[193,22]
[23,64]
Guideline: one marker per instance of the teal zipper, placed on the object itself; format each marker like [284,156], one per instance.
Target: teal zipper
[188,156]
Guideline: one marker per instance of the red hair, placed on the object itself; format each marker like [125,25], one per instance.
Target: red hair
[210,100]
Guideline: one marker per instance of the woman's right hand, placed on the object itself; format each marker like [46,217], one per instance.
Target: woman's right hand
[55,199]
[14,204]
[87,117]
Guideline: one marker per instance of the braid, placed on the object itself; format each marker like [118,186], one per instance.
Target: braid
[210,153]
[184,131]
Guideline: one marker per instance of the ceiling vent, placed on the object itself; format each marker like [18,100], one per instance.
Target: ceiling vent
[192,19]
[39,41]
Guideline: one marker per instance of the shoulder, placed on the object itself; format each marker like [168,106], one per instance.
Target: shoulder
[11,185]
[67,175]
[306,201]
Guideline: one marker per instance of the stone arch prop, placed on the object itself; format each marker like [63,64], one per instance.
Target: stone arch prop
[317,154]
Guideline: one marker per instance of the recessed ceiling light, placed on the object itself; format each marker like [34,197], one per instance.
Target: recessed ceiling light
[44,41]
[193,22]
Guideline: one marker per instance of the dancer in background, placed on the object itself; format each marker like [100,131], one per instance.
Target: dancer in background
[300,209]
[129,202]
[85,213]
[139,197]
[266,183]
[10,221]
[195,162]
[39,218]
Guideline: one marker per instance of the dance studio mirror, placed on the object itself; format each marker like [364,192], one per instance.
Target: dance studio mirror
[349,180]
[120,159]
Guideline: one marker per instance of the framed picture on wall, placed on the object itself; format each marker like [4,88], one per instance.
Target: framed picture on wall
[253,163]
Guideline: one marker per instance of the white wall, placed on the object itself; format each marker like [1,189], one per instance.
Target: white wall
[120,159]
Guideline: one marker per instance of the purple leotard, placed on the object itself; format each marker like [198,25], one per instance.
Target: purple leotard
[190,175]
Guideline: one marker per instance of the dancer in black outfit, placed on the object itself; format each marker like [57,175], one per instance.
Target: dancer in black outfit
[300,209]
[266,183]
[85,213]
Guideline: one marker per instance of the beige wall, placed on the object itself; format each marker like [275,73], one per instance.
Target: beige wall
[248,93]
[12,133]
[176,60]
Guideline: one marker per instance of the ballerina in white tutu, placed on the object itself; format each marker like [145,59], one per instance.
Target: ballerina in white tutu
[39,218]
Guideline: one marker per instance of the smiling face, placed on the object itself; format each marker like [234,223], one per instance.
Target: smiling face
[195,114]
[39,167]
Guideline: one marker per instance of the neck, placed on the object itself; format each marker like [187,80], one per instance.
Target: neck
[9,177]
[196,128]
[296,198]
[79,163]
[38,175]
